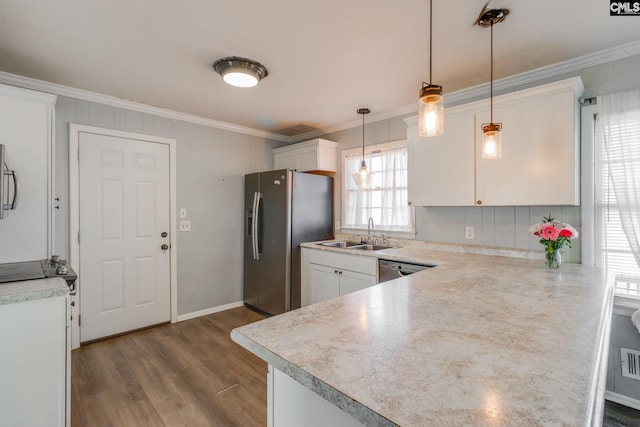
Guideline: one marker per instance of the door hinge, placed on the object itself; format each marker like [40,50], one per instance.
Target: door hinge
[78,237]
[78,152]
[79,319]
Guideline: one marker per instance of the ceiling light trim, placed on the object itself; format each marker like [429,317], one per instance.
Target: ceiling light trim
[248,68]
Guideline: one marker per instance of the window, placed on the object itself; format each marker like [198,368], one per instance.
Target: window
[386,200]
[617,189]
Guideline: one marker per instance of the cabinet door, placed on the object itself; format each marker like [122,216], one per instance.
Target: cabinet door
[351,281]
[324,283]
[539,153]
[441,170]
[25,130]
[307,159]
[33,362]
[284,161]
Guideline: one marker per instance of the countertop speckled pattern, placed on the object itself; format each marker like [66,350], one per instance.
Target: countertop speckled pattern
[28,290]
[477,340]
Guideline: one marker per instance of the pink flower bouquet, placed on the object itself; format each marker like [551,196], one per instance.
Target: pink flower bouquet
[554,236]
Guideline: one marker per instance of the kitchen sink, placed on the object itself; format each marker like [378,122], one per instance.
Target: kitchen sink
[370,247]
[340,244]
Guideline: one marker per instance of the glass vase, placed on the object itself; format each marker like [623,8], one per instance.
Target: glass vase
[553,259]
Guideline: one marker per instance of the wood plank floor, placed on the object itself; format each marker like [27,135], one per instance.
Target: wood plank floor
[186,374]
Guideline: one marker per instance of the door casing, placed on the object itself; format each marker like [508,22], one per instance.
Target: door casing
[74,213]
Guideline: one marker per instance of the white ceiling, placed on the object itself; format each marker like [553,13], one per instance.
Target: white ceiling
[325,58]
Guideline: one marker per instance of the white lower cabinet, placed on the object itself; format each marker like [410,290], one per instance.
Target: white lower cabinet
[326,275]
[290,404]
[34,363]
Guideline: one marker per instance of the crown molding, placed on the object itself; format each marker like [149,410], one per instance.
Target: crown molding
[461,96]
[475,92]
[61,90]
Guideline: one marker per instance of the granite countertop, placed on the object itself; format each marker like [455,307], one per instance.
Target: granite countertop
[28,290]
[477,340]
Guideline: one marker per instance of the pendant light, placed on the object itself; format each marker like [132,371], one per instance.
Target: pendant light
[431,103]
[363,176]
[491,136]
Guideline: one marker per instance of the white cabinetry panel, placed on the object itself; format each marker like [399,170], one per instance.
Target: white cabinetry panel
[26,120]
[309,156]
[540,152]
[294,405]
[326,274]
[442,168]
[33,362]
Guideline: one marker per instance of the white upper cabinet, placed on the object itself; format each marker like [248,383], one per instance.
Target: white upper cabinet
[309,156]
[26,130]
[540,152]
[441,168]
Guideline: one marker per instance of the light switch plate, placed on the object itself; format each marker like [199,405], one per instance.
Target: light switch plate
[469,234]
[185,225]
[183,212]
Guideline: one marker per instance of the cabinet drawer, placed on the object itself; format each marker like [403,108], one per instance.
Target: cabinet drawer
[359,264]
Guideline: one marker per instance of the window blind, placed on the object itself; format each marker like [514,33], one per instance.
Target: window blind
[617,179]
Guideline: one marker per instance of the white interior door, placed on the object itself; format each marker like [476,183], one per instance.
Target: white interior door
[124,221]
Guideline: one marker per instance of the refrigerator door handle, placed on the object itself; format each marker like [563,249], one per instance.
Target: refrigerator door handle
[16,190]
[256,227]
[254,218]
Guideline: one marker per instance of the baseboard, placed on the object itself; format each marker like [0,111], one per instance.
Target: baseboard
[193,315]
[622,400]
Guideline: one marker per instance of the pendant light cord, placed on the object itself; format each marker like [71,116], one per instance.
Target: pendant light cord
[363,137]
[430,40]
[491,89]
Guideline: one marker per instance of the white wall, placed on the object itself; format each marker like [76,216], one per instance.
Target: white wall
[211,164]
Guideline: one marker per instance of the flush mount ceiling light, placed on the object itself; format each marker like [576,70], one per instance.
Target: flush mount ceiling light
[431,103]
[491,136]
[363,176]
[240,72]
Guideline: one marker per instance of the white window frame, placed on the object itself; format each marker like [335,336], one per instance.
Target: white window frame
[387,146]
[588,236]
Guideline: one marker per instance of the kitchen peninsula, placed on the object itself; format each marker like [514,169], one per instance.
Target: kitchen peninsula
[476,340]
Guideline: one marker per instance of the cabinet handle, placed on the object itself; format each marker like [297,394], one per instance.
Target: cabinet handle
[409,203]
[479,202]
[335,271]
[339,272]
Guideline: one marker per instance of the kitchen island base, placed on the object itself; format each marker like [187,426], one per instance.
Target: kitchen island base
[290,404]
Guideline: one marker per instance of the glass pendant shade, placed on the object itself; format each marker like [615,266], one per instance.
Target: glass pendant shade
[491,141]
[363,176]
[431,111]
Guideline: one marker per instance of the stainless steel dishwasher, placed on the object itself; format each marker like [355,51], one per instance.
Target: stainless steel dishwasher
[389,270]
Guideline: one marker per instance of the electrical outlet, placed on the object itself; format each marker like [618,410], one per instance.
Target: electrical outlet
[183,212]
[469,233]
[337,225]
[185,225]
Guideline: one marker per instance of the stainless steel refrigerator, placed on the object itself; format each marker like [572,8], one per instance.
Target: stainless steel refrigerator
[282,209]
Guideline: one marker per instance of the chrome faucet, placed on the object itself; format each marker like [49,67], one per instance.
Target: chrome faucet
[369,229]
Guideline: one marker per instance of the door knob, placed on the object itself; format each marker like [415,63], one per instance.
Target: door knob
[164,247]
[163,234]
